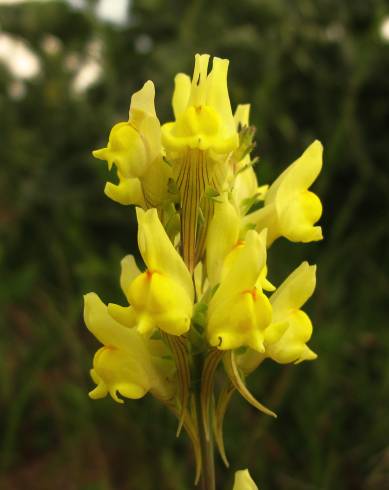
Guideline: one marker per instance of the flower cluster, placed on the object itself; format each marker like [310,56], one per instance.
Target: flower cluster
[202,297]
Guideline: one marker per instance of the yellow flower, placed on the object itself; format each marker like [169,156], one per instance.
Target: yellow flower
[223,242]
[162,296]
[202,110]
[198,144]
[135,148]
[239,312]
[285,340]
[126,364]
[243,481]
[290,209]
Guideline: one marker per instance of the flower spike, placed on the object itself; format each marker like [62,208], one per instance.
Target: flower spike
[205,225]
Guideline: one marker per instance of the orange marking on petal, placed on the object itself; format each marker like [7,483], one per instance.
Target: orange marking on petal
[109,348]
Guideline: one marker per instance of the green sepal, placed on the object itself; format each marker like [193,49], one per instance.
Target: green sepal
[253,162]
[246,142]
[212,194]
[156,335]
[171,221]
[172,188]
[200,314]
[247,203]
[249,226]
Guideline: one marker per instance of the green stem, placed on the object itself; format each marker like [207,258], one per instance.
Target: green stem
[207,479]
[208,464]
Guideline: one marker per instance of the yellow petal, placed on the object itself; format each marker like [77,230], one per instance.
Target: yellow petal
[265,218]
[103,326]
[297,217]
[243,265]
[223,233]
[143,100]
[217,93]
[306,355]
[155,182]
[295,290]
[263,282]
[103,154]
[158,251]
[291,346]
[196,128]
[181,94]
[300,174]
[245,186]
[129,271]
[243,481]
[143,118]
[165,299]
[275,331]
[198,93]
[262,191]
[128,191]
[101,390]
[126,315]
[116,372]
[242,115]
[126,149]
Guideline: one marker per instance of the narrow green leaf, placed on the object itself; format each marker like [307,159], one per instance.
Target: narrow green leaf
[180,353]
[190,425]
[207,382]
[239,384]
[220,411]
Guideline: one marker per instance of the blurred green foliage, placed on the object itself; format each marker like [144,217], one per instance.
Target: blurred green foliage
[311,69]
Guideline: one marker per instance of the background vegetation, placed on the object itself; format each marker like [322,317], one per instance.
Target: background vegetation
[311,69]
